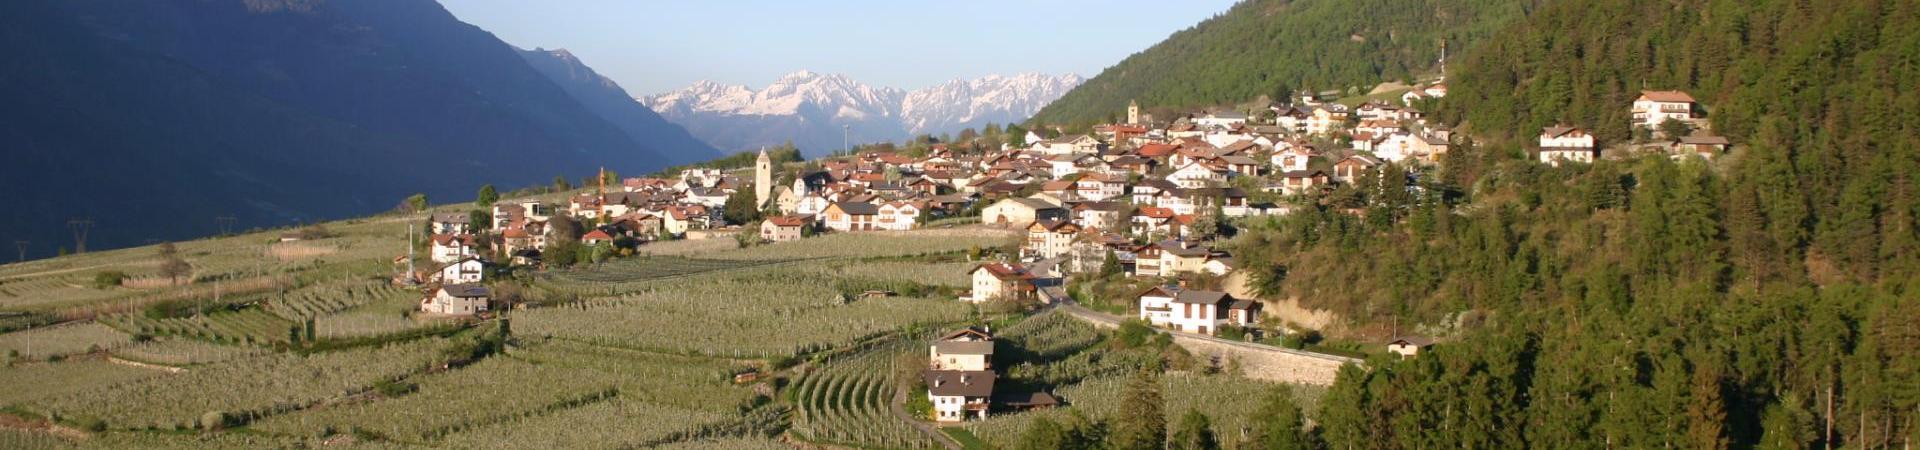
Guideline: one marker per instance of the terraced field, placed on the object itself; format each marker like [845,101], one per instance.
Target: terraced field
[848,402]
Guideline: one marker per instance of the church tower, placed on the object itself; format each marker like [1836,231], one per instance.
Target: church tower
[1133,112]
[762,179]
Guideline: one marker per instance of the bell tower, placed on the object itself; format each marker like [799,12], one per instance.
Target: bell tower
[762,179]
[1133,112]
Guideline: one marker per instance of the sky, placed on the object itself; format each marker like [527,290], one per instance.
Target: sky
[654,46]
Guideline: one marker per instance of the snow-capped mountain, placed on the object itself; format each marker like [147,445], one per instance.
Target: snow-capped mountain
[961,104]
[820,112]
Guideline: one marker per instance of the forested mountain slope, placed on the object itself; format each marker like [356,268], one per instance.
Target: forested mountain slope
[1765,299]
[154,117]
[1273,47]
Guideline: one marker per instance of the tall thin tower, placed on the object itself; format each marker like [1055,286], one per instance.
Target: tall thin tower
[762,179]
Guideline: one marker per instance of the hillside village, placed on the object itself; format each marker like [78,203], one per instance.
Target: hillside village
[1148,197]
[1145,199]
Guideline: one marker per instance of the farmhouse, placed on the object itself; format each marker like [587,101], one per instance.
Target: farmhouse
[1409,345]
[457,299]
[1654,108]
[1203,312]
[785,228]
[958,395]
[1020,212]
[466,270]
[969,349]
[994,281]
[1565,143]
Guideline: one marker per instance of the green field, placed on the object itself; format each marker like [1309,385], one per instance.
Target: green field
[306,344]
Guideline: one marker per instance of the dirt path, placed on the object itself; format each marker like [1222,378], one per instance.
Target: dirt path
[899,409]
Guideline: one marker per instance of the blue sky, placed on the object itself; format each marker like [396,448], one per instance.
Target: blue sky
[652,46]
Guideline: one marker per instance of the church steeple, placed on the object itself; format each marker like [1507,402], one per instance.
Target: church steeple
[762,179]
[1133,112]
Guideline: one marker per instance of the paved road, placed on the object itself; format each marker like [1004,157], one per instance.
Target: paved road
[1109,320]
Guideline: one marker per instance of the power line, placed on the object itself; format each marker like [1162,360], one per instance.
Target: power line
[226,224]
[80,228]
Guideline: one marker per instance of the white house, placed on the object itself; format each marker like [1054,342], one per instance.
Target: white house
[466,270]
[1656,107]
[1199,174]
[1020,212]
[1050,238]
[1564,143]
[969,349]
[1408,345]
[448,248]
[897,216]
[959,394]
[1203,312]
[1221,120]
[1000,281]
[784,228]
[457,299]
[452,223]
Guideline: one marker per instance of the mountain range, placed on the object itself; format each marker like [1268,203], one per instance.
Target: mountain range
[152,118]
[814,110]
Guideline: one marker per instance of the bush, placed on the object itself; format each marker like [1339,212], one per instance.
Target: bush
[395,388]
[91,424]
[107,279]
[1133,333]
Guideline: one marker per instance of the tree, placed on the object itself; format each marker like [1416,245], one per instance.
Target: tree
[1044,434]
[1111,265]
[481,220]
[1139,424]
[486,197]
[1675,128]
[171,265]
[417,202]
[560,184]
[740,208]
[1279,424]
[1195,432]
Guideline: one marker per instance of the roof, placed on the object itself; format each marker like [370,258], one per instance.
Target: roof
[1026,399]
[963,347]
[1201,297]
[1036,204]
[465,290]
[1417,341]
[596,235]
[1704,140]
[1554,132]
[960,383]
[968,332]
[1666,96]
[858,209]
[452,218]
[1004,271]
[788,221]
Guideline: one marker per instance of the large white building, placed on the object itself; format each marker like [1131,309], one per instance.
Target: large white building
[1195,311]
[1563,143]
[1656,107]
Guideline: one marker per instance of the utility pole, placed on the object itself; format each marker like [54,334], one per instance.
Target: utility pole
[80,228]
[846,138]
[22,246]
[226,224]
